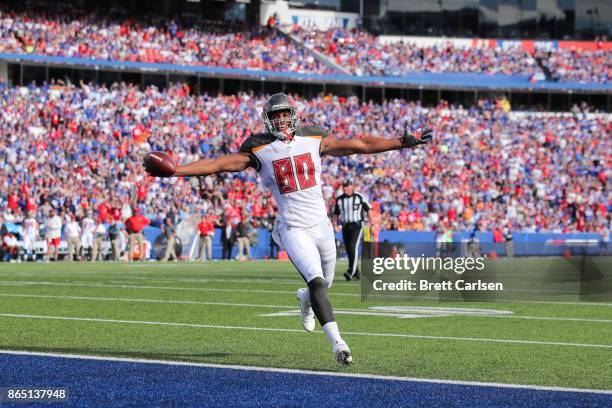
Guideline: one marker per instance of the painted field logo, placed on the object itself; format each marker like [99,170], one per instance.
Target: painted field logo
[407,312]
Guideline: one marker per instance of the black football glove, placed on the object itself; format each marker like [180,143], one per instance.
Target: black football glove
[419,136]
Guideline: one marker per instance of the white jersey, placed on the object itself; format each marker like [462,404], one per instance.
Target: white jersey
[291,171]
[30,227]
[54,227]
[88,225]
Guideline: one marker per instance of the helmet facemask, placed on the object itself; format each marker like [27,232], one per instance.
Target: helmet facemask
[282,126]
[286,125]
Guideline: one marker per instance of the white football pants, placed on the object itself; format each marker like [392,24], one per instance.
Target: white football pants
[312,250]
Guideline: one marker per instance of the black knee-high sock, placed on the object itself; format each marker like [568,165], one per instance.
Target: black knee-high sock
[319,301]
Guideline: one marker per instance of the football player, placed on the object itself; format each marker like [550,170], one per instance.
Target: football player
[30,235]
[88,227]
[287,157]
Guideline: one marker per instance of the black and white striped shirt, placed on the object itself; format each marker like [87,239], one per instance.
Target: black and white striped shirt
[350,208]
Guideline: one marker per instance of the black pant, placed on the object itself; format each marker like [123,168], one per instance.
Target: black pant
[351,235]
[227,250]
[274,248]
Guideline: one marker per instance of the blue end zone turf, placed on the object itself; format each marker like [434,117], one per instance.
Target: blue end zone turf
[107,383]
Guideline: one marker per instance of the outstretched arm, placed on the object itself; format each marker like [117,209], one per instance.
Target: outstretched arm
[231,162]
[371,144]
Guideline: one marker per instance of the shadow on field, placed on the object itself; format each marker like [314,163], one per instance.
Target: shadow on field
[135,354]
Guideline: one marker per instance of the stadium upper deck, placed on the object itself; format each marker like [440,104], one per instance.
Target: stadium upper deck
[159,40]
[217,44]
[366,54]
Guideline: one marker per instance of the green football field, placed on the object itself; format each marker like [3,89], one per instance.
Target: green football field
[245,313]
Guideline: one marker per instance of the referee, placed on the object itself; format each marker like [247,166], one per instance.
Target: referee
[350,209]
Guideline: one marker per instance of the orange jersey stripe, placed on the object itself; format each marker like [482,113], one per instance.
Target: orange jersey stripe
[259,147]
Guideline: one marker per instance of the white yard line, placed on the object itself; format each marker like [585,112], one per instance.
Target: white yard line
[136,300]
[128,277]
[196,264]
[119,284]
[208,280]
[562,319]
[442,313]
[104,285]
[272,329]
[365,312]
[302,372]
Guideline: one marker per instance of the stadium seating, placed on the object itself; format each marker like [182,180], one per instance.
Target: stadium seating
[80,148]
[233,45]
[363,54]
[582,66]
[157,41]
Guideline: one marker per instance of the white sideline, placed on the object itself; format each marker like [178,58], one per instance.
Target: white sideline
[343,311]
[306,372]
[272,329]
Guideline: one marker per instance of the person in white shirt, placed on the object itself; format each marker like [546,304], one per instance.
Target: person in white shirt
[99,238]
[73,236]
[30,234]
[126,211]
[54,233]
[8,216]
[88,226]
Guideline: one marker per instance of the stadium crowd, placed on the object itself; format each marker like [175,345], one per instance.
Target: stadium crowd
[363,54]
[209,43]
[578,65]
[78,150]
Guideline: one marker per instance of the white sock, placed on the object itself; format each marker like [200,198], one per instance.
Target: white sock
[332,332]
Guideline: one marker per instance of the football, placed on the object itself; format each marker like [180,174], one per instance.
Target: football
[159,164]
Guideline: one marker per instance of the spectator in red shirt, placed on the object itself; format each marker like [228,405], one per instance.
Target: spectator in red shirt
[116,213]
[134,226]
[10,247]
[142,192]
[103,210]
[13,201]
[206,229]
[30,204]
[498,237]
